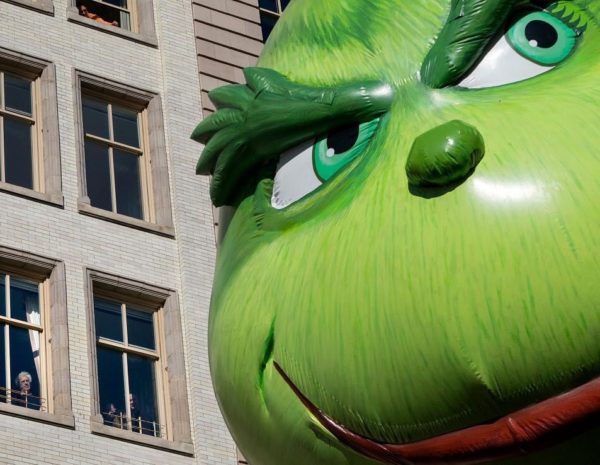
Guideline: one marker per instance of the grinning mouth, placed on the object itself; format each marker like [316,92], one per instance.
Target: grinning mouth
[520,433]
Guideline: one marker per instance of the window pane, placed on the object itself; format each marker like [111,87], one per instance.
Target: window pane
[120,3]
[140,328]
[17,94]
[142,386]
[125,126]
[284,4]
[17,153]
[3,386]
[95,118]
[24,360]
[267,23]
[111,387]
[97,175]
[2,298]
[268,5]
[127,184]
[107,318]
[24,300]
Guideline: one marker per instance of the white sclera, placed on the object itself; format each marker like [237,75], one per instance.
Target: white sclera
[295,177]
[502,65]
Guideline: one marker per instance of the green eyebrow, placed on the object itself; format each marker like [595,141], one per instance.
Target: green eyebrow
[257,122]
[468,32]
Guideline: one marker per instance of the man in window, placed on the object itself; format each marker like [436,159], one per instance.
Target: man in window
[83,11]
[22,395]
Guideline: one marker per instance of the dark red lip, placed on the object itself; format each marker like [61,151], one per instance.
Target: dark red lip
[524,431]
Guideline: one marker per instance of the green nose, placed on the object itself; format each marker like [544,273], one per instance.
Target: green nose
[444,155]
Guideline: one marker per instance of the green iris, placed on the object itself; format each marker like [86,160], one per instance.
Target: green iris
[338,148]
[542,38]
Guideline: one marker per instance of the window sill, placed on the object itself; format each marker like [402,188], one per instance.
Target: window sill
[50,199]
[146,39]
[86,209]
[67,421]
[183,448]
[43,6]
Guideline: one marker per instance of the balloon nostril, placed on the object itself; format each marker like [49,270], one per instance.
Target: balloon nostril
[444,155]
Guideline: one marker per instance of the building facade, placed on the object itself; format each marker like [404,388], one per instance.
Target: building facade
[107,237]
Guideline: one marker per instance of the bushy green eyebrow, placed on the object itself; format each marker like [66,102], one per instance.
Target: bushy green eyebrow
[468,32]
[255,123]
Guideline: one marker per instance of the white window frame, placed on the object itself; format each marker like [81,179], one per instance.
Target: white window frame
[54,342]
[46,160]
[143,29]
[155,175]
[172,382]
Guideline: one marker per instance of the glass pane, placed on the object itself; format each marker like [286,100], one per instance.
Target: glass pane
[119,3]
[95,118]
[17,94]
[2,298]
[140,328]
[128,184]
[142,386]
[268,5]
[125,126]
[3,386]
[111,386]
[18,164]
[24,368]
[107,318]
[285,3]
[97,175]
[24,300]
[267,23]
[125,20]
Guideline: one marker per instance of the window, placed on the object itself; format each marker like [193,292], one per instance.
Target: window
[108,12]
[130,19]
[22,342]
[270,12]
[123,164]
[139,384]
[34,362]
[129,365]
[43,6]
[115,165]
[29,145]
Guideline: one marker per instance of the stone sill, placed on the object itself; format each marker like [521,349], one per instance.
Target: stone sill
[55,199]
[183,448]
[86,209]
[43,6]
[66,421]
[74,16]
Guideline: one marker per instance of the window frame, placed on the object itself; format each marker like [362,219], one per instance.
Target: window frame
[172,380]
[273,14]
[43,6]
[154,165]
[47,185]
[143,29]
[50,274]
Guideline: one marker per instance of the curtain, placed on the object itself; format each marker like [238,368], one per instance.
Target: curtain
[32,309]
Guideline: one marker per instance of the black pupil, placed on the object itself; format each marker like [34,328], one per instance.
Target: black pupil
[542,33]
[343,139]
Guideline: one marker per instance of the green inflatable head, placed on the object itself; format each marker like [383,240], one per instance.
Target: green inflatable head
[411,273]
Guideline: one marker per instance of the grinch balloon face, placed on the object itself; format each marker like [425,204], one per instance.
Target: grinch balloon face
[411,273]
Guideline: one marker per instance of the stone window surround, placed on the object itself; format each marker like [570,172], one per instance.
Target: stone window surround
[156,151]
[59,388]
[178,418]
[48,121]
[144,18]
[43,6]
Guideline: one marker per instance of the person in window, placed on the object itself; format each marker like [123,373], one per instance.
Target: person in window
[112,416]
[83,11]
[22,395]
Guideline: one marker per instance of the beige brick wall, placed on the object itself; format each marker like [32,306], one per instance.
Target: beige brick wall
[228,39]
[184,263]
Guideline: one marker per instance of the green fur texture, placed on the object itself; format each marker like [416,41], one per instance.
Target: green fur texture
[406,316]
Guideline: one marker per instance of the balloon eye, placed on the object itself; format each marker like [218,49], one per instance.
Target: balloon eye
[542,38]
[340,147]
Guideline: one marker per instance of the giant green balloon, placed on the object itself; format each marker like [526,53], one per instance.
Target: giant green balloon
[411,275]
